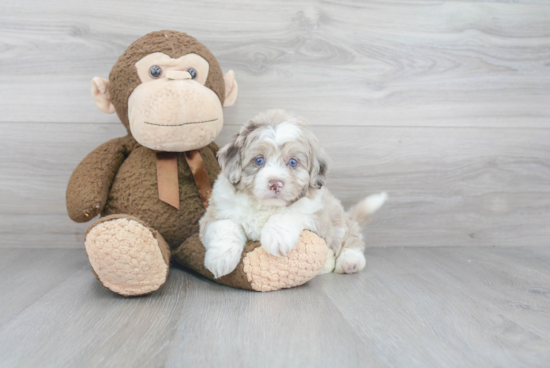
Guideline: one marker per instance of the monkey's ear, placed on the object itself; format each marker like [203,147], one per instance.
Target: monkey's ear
[231,89]
[100,93]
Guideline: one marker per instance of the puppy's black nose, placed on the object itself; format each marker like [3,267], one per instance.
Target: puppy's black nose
[275,185]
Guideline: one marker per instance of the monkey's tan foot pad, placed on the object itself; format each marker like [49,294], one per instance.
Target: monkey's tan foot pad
[266,272]
[126,256]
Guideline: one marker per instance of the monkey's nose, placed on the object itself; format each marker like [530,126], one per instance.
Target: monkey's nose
[275,185]
[178,75]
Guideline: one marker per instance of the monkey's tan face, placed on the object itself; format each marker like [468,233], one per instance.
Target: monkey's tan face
[172,110]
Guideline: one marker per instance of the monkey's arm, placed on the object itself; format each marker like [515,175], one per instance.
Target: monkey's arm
[90,182]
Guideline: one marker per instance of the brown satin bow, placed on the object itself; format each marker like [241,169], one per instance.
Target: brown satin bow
[167,177]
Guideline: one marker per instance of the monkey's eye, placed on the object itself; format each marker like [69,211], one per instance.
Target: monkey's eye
[293,162]
[155,71]
[193,73]
[259,161]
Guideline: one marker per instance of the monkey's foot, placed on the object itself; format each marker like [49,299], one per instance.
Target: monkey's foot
[126,256]
[258,270]
[266,272]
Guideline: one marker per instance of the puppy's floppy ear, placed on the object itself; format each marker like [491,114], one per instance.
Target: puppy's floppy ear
[319,166]
[229,157]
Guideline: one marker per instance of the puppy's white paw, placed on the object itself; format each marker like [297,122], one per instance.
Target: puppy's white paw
[280,237]
[329,264]
[350,261]
[224,242]
[222,260]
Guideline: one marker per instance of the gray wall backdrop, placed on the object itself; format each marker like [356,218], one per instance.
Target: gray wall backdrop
[445,105]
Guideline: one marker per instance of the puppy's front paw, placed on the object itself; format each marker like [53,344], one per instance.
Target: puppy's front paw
[279,238]
[350,261]
[221,259]
[224,242]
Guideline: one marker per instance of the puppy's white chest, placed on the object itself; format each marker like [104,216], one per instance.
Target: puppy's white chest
[253,222]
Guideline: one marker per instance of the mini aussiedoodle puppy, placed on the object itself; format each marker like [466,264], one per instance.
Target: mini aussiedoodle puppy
[271,189]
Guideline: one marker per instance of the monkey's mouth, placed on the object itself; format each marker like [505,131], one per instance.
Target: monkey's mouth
[177,125]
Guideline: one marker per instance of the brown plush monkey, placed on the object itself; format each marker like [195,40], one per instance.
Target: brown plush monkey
[152,186]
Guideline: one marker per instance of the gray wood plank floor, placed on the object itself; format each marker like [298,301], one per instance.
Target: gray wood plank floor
[411,307]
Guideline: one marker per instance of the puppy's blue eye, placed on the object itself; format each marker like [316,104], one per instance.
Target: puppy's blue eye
[293,162]
[193,73]
[260,161]
[155,71]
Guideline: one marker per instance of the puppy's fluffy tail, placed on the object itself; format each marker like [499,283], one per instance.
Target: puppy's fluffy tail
[363,210]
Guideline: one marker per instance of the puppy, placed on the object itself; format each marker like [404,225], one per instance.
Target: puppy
[271,189]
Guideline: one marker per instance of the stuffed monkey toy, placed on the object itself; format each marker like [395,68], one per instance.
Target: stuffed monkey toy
[152,186]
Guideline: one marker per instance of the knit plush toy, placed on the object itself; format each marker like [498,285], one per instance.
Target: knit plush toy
[152,186]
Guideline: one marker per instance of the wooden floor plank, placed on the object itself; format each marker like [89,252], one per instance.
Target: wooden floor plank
[299,327]
[399,63]
[414,307]
[453,300]
[82,324]
[506,285]
[501,283]
[535,258]
[181,325]
[28,274]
